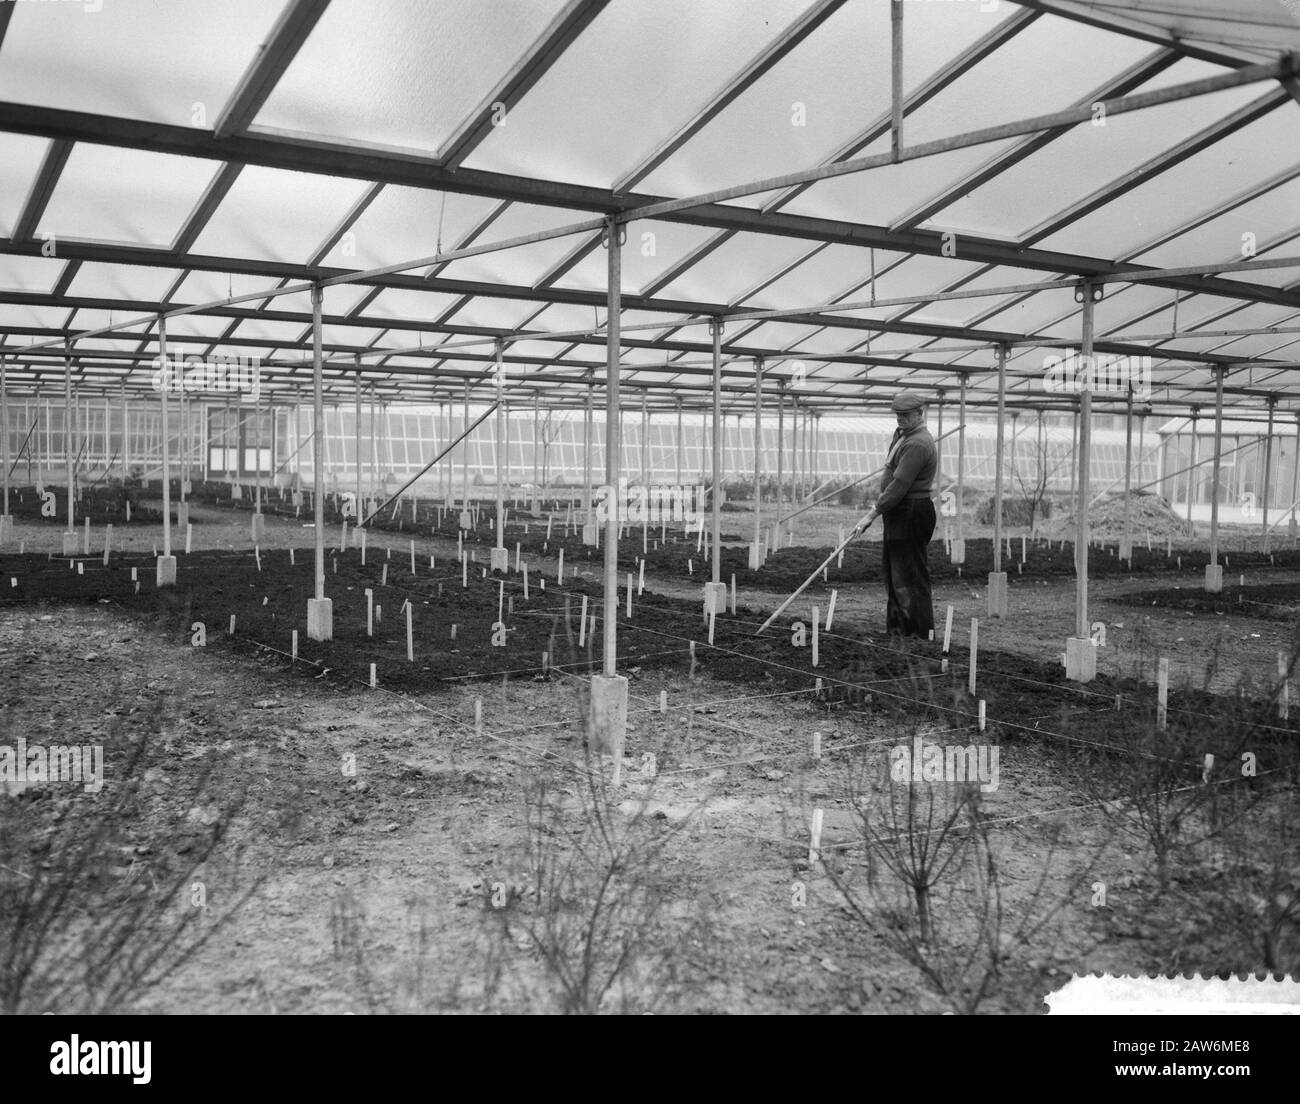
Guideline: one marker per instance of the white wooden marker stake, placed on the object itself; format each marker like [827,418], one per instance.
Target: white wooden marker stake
[108,541]
[1284,694]
[663,701]
[379,613]
[370,612]
[981,714]
[81,567]
[410,641]
[232,624]
[713,617]
[292,561]
[363,547]
[1022,548]
[733,595]
[974,650]
[374,680]
[383,575]
[412,557]
[518,557]
[816,633]
[815,846]
[582,624]
[501,598]
[947,631]
[629,594]
[257,555]
[189,537]
[294,645]
[525,582]
[464,571]
[640,579]
[478,717]
[817,745]
[830,610]
[85,538]
[1162,694]
[559,571]
[690,568]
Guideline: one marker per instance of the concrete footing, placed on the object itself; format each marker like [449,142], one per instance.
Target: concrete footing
[166,571]
[187,488]
[320,619]
[589,534]
[958,553]
[500,560]
[466,521]
[259,528]
[1125,550]
[1213,578]
[755,557]
[715,599]
[71,544]
[296,499]
[182,514]
[1080,659]
[607,723]
[998,594]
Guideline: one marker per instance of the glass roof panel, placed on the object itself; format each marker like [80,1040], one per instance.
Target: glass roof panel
[209,287]
[1213,176]
[525,264]
[197,325]
[416,306]
[268,330]
[734,266]
[1088,157]
[960,312]
[23,316]
[335,299]
[561,131]
[392,73]
[276,215]
[809,104]
[645,258]
[20,161]
[495,313]
[831,273]
[127,196]
[119,281]
[404,223]
[29,273]
[169,63]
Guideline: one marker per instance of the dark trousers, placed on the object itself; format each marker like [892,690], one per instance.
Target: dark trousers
[908,529]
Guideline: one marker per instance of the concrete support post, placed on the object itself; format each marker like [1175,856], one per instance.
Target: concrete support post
[589,535]
[1214,569]
[1080,652]
[756,549]
[1126,540]
[1193,471]
[609,689]
[320,610]
[1268,469]
[715,591]
[70,534]
[500,556]
[166,564]
[997,598]
[958,552]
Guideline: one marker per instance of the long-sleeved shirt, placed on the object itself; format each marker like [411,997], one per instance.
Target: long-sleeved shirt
[909,468]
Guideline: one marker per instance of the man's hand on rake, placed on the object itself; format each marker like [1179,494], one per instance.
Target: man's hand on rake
[864,524]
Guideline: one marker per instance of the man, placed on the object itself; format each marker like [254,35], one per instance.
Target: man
[908,511]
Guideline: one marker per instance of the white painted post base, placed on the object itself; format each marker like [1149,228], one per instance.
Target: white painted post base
[71,544]
[998,594]
[607,724]
[1213,578]
[589,534]
[166,572]
[500,560]
[715,599]
[755,557]
[259,528]
[958,553]
[466,521]
[1080,659]
[320,618]
[182,514]
[296,500]
[1125,550]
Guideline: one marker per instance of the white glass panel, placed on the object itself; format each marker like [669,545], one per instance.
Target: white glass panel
[403,224]
[645,259]
[277,215]
[418,306]
[171,63]
[117,281]
[734,267]
[20,161]
[496,313]
[524,264]
[29,273]
[124,195]
[394,73]
[562,131]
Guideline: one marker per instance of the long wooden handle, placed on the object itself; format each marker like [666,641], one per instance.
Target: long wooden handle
[817,571]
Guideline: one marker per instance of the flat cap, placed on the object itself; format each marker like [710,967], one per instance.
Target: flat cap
[906,402]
